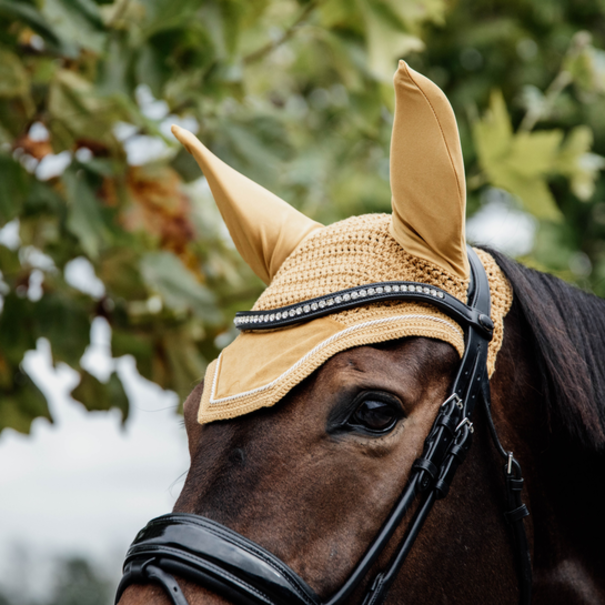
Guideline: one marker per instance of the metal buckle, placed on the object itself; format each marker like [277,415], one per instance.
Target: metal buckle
[464,421]
[456,399]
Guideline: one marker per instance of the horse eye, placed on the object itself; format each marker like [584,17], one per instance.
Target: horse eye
[375,416]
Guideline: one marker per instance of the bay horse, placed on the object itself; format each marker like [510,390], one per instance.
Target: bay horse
[289,480]
[290,494]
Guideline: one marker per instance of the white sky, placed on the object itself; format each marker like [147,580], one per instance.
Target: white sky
[85,484]
[501,224]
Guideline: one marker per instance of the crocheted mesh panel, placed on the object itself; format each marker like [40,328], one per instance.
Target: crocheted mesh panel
[360,250]
[502,298]
[353,252]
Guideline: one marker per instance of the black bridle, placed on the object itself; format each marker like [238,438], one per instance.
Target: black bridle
[216,557]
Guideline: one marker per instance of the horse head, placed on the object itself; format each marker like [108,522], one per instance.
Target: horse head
[325,433]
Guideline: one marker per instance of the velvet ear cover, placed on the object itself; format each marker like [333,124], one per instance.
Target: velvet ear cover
[264,228]
[427,174]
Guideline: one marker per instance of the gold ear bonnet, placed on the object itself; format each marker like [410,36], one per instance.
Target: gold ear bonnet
[422,241]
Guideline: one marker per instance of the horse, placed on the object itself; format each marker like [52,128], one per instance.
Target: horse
[312,478]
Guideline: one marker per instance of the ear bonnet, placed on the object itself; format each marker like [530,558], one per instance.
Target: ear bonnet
[307,265]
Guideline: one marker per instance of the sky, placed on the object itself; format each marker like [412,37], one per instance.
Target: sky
[86,484]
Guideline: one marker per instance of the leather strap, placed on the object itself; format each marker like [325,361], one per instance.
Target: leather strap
[516,511]
[145,572]
[444,448]
[215,556]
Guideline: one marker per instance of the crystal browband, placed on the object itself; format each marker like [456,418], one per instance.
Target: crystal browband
[355,297]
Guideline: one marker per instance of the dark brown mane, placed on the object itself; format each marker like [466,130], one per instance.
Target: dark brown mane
[568,333]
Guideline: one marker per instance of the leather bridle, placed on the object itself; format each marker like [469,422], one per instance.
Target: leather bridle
[216,557]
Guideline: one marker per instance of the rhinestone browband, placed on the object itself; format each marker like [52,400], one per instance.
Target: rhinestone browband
[344,299]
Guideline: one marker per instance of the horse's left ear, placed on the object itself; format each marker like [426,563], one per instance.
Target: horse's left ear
[264,228]
[427,174]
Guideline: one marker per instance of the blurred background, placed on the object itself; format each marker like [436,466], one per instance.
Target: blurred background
[118,281]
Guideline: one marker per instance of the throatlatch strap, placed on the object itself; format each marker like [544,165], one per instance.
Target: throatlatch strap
[516,511]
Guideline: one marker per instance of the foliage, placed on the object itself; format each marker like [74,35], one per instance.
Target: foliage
[76,582]
[297,95]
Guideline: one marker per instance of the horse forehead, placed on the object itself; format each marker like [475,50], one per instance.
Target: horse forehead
[410,364]
[409,355]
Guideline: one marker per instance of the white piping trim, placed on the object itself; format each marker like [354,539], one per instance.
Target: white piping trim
[314,350]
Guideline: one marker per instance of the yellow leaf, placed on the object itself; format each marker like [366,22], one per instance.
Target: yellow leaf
[518,163]
[534,154]
[577,163]
[385,40]
[493,134]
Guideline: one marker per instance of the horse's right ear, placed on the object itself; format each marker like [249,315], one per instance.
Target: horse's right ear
[264,228]
[427,174]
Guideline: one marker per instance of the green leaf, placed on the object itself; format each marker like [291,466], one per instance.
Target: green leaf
[493,134]
[78,110]
[387,40]
[588,69]
[518,163]
[18,332]
[167,14]
[64,319]
[14,80]
[9,262]
[14,187]
[534,153]
[84,218]
[98,396]
[414,12]
[77,23]
[43,198]
[115,72]
[213,19]
[535,194]
[577,162]
[186,364]
[165,274]
[135,343]
[186,166]
[257,146]
[22,403]
[16,9]
[119,271]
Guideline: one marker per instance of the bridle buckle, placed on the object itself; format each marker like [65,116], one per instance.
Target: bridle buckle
[464,421]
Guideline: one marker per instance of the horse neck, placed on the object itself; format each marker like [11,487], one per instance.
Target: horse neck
[564,488]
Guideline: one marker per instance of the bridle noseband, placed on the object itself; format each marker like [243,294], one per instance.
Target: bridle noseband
[236,568]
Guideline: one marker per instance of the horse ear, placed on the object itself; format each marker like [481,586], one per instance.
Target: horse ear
[264,228]
[427,174]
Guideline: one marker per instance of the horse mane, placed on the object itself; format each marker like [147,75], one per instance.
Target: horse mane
[567,330]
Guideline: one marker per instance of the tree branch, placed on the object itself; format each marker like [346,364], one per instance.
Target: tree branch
[535,114]
[563,79]
[119,12]
[268,48]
